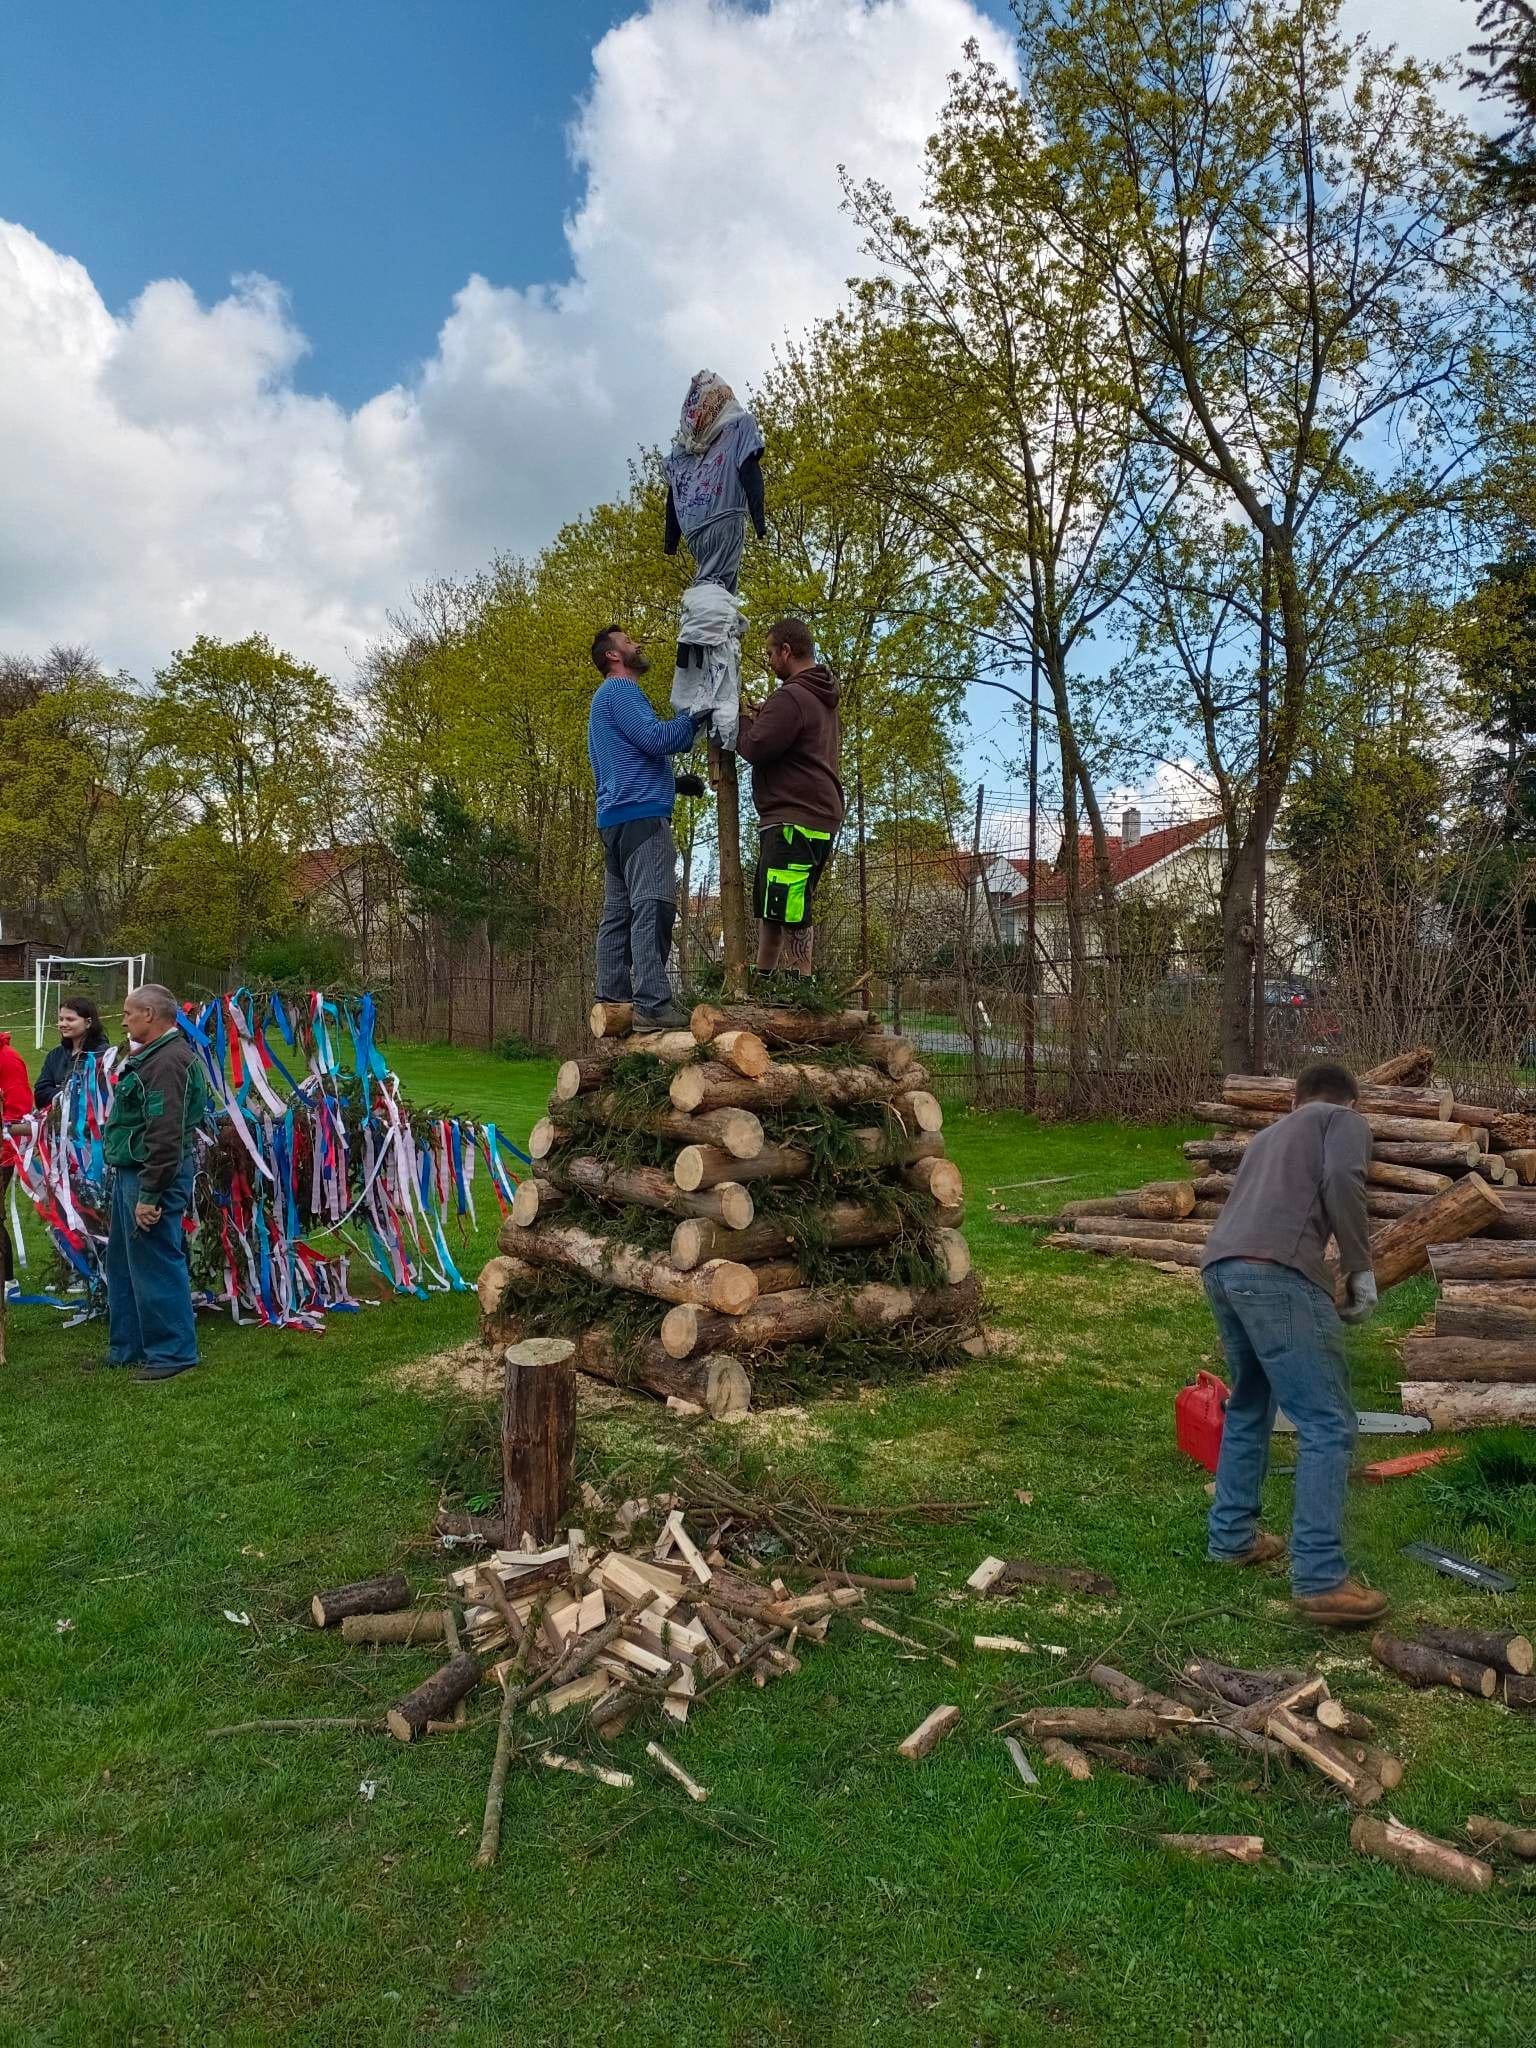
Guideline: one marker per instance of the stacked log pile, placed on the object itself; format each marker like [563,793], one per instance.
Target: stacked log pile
[1451,1187]
[704,1201]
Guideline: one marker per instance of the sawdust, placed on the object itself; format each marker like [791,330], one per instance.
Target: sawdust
[475,1370]
[784,1428]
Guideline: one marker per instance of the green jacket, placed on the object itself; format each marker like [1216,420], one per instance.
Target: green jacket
[160,1099]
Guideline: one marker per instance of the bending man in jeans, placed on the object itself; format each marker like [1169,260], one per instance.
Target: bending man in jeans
[157,1105]
[629,747]
[1301,1181]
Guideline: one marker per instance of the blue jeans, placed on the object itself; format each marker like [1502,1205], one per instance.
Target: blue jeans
[149,1284]
[1285,1348]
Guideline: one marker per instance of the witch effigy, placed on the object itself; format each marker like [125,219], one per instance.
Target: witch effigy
[714,485]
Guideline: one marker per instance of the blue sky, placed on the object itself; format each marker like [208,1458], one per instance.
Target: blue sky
[185,455]
[369,156]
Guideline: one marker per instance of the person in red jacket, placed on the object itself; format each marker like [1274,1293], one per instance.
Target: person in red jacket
[15,1103]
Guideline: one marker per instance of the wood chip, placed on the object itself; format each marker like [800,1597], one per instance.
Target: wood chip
[1004,1643]
[987,1574]
[1021,1763]
[621,1781]
[675,1770]
[928,1734]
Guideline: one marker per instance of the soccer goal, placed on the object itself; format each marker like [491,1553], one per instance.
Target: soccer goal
[97,972]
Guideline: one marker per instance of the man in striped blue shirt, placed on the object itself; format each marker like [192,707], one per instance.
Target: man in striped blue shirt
[629,748]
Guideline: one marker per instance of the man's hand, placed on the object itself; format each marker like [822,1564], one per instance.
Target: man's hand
[147,1214]
[1360,1301]
[689,785]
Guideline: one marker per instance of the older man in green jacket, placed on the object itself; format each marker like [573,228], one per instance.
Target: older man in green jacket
[157,1106]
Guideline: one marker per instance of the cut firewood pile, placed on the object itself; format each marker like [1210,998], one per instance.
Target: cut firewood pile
[1451,1187]
[762,1199]
[1282,1720]
[582,1637]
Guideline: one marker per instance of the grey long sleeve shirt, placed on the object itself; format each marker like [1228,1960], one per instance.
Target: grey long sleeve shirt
[1301,1181]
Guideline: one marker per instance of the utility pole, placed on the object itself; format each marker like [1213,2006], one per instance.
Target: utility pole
[1261,798]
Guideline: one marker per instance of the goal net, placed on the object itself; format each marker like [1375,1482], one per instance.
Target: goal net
[106,977]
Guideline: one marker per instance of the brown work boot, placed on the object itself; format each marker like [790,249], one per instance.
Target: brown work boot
[1264,1547]
[1348,1605]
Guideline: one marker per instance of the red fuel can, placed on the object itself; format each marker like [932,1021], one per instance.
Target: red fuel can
[1198,1414]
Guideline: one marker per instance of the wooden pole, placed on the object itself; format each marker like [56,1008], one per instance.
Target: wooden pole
[733,894]
[538,1438]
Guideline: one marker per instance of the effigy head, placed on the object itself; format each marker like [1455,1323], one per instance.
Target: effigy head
[704,412]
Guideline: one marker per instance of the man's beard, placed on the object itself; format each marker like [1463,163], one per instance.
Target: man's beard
[638,664]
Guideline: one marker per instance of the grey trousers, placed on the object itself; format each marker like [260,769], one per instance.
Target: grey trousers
[634,933]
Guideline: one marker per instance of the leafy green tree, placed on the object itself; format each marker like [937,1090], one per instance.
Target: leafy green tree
[462,872]
[1300,299]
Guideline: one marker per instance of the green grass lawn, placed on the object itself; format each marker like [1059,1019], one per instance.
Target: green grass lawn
[159,1887]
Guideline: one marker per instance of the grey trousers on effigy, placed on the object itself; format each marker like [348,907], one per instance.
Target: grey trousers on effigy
[634,933]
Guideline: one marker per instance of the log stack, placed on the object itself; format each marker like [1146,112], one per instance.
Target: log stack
[703,1200]
[1451,1187]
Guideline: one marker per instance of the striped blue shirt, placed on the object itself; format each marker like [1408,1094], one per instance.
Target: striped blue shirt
[628,746]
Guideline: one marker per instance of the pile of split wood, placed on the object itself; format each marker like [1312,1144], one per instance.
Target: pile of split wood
[1449,1185]
[738,1117]
[1283,1717]
[583,1635]
[1483,1663]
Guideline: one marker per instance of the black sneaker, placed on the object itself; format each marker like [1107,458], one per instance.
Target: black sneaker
[669,1018]
[149,1374]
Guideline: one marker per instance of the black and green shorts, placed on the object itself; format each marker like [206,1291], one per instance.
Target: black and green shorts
[790,859]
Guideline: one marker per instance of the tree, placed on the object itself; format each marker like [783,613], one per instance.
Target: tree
[1507,75]
[1300,296]
[990,363]
[461,872]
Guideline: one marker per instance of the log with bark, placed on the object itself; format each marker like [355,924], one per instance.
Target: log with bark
[1165,1201]
[1482,1309]
[1102,1724]
[1483,1259]
[1522,1164]
[538,1438]
[1216,1848]
[1063,1578]
[776,1026]
[1192,1232]
[1238,1687]
[1304,1738]
[434,1700]
[1130,1693]
[1164,1250]
[1263,1091]
[715,1380]
[1421,1855]
[1422,1665]
[1518,1692]
[1507,1129]
[842,1224]
[720,1284]
[1402,1070]
[1341,1720]
[711,1086]
[895,1055]
[1428,1356]
[1451,1159]
[706,1166]
[1402,1248]
[646,1187]
[1453,1405]
[1501,1834]
[939,1179]
[1381,1173]
[1379,1202]
[807,1314]
[611,1020]
[405,1625]
[1397,1130]
[1066,1756]
[365,1596]
[736,1131]
[1499,1647]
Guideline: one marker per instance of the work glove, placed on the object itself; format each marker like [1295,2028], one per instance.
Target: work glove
[689,785]
[1360,1298]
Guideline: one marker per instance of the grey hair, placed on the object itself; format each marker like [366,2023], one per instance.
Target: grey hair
[159,998]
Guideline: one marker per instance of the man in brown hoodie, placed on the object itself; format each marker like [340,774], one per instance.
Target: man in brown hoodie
[792,743]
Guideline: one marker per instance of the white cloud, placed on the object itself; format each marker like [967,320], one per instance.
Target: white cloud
[163,477]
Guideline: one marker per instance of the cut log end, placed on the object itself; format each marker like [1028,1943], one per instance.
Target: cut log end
[365,1596]
[612,1020]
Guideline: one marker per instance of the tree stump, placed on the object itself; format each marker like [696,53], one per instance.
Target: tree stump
[538,1438]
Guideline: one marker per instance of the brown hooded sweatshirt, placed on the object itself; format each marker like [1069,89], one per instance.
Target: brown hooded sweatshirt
[793,745]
